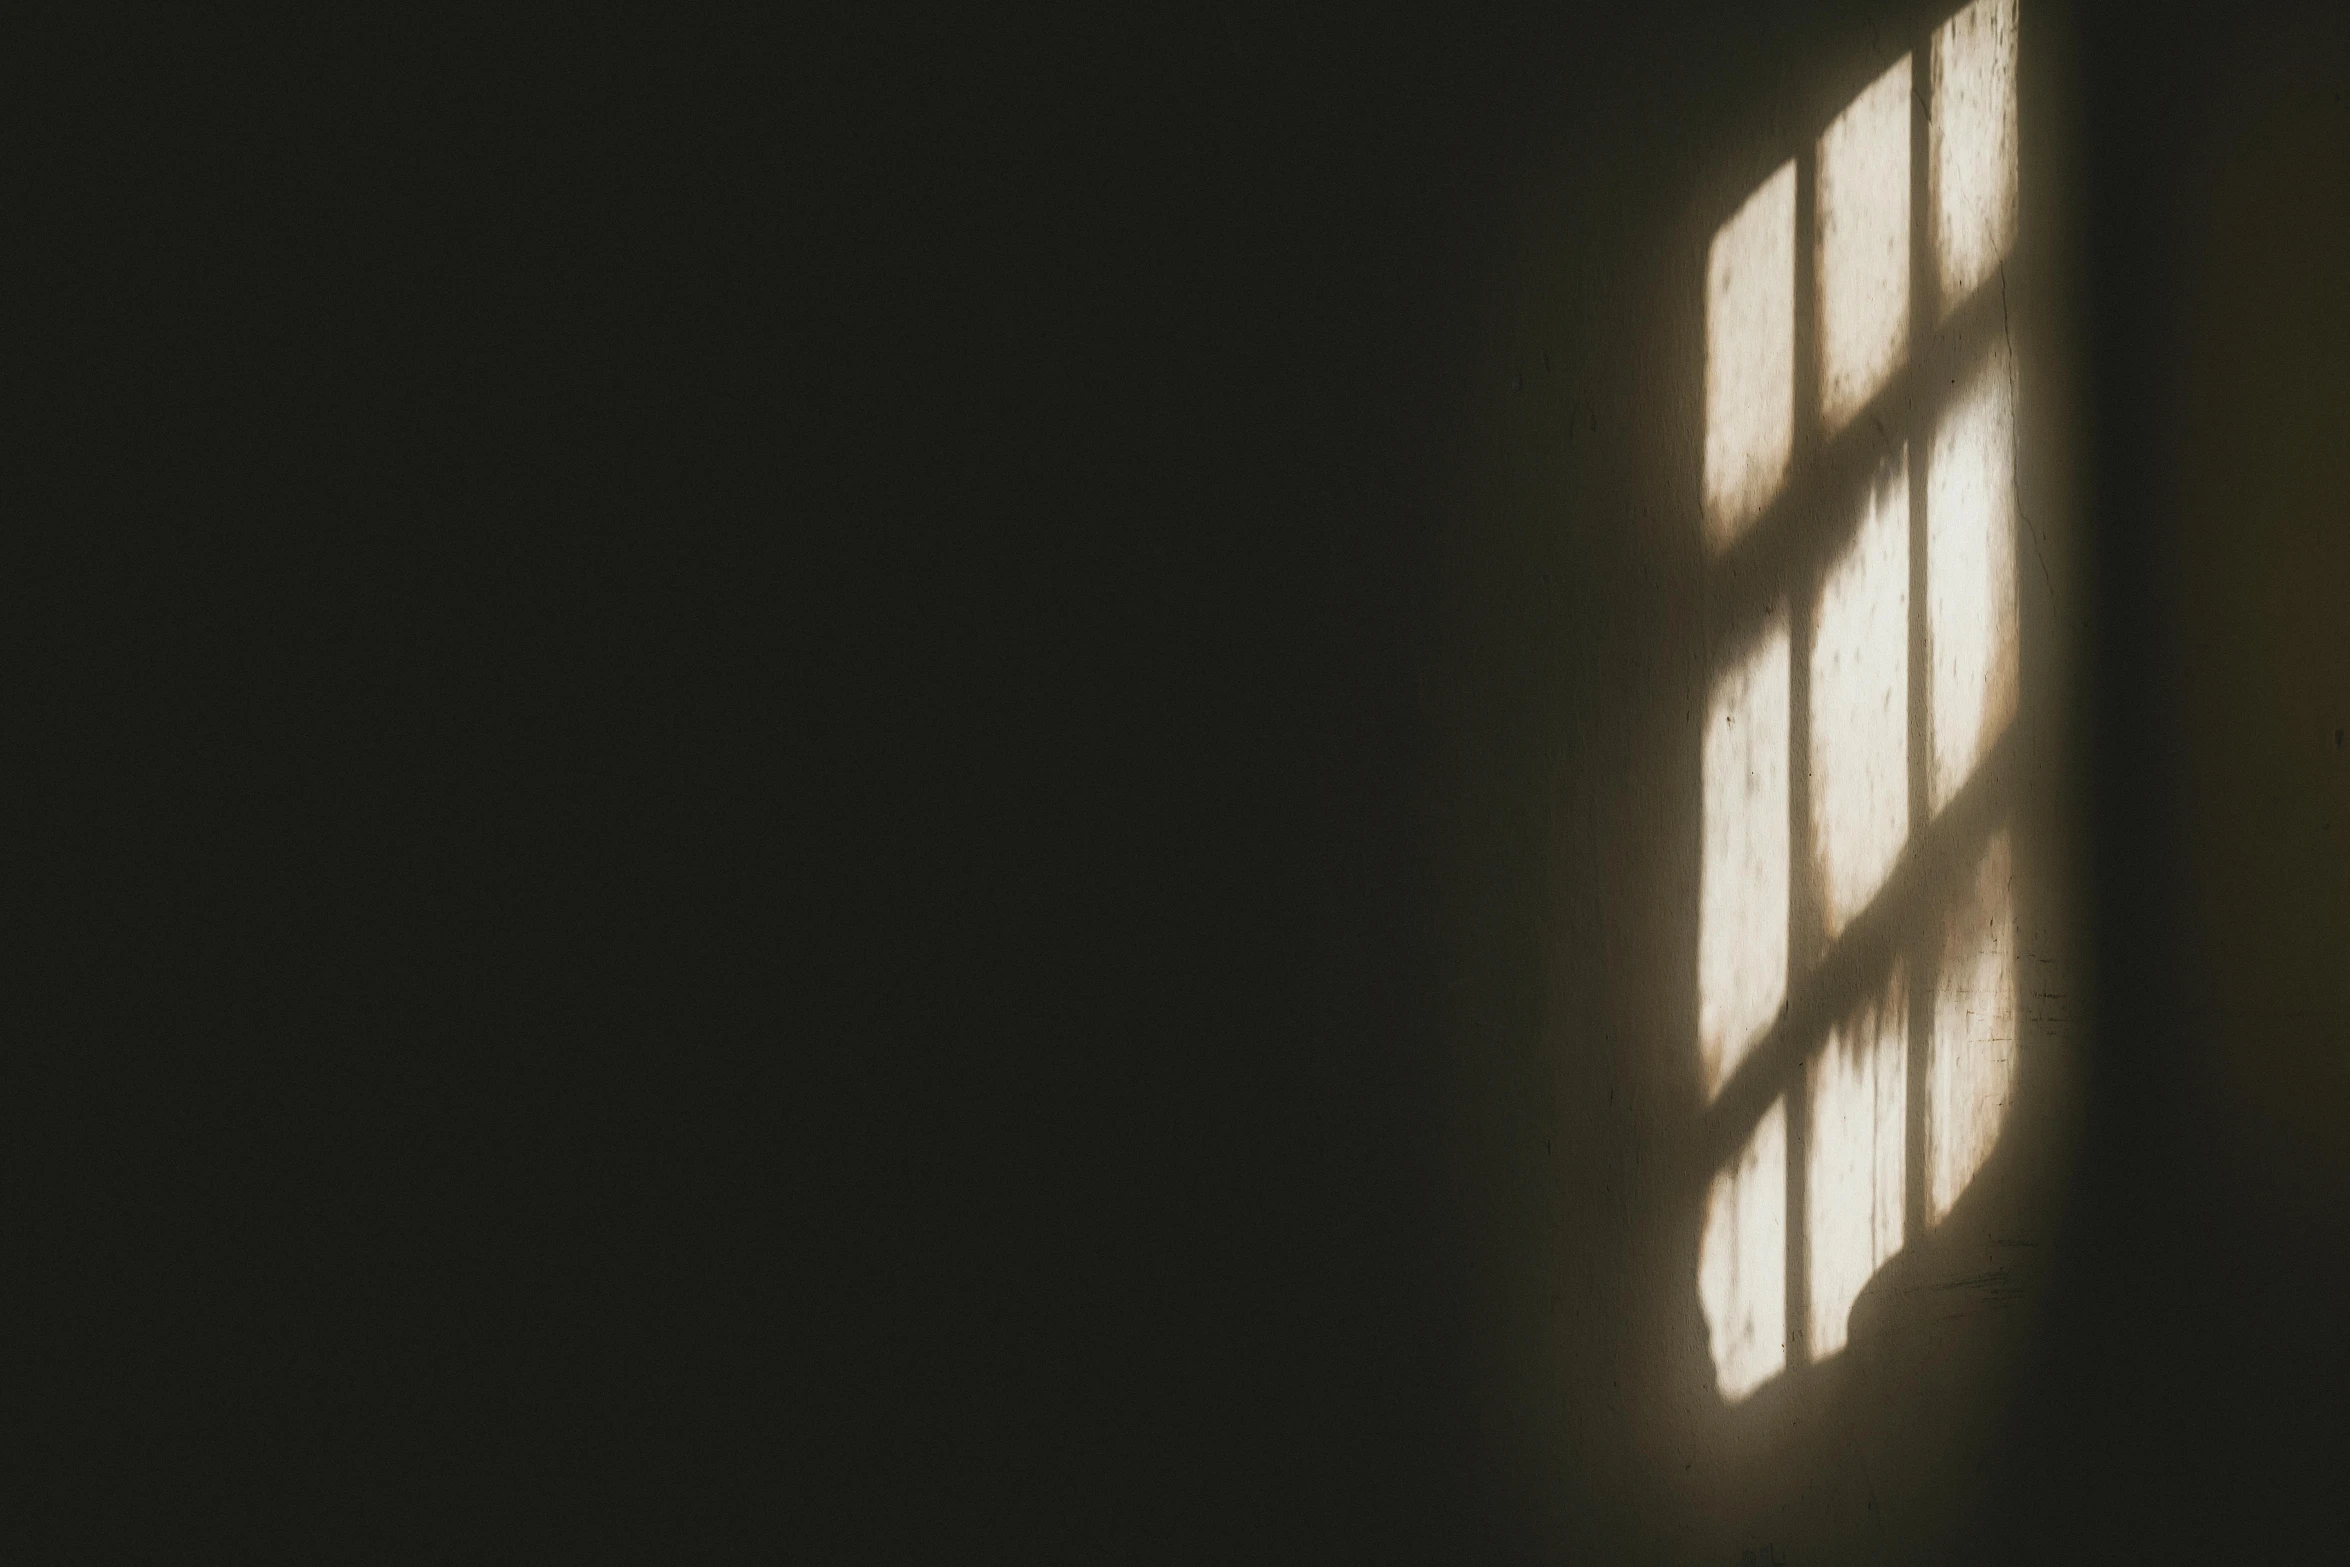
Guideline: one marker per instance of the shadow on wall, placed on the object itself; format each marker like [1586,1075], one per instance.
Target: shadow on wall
[1856,1001]
[1776,685]
[1825,1202]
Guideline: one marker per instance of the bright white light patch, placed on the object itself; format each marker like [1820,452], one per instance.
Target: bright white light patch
[1972,1061]
[1853,1189]
[1749,357]
[1742,900]
[1970,574]
[1742,1263]
[1863,257]
[1971,165]
[1860,704]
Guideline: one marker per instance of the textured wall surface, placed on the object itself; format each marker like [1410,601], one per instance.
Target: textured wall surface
[1074,646]
[1334,1182]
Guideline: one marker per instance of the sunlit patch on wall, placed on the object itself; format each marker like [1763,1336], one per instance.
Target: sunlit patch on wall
[1970,573]
[1742,1266]
[1872,696]
[1860,703]
[1749,357]
[1862,267]
[1859,1087]
[1971,169]
[1742,903]
[1971,1066]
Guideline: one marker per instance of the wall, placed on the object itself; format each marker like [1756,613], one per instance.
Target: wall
[2119,1347]
[1314,1151]
[1580,694]
[1127,596]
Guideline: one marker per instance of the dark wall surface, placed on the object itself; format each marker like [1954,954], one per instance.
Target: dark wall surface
[1060,646]
[1350,551]
[2221,887]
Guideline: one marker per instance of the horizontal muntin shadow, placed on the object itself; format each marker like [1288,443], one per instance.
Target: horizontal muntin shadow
[1816,513]
[1937,856]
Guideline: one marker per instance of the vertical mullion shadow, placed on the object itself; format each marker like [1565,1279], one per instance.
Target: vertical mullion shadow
[1803,891]
[1922,309]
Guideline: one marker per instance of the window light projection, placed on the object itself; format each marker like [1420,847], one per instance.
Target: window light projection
[1860,704]
[1970,573]
[1749,358]
[1971,173]
[1862,267]
[1742,903]
[1972,1063]
[1859,1087]
[1742,1267]
[1842,1148]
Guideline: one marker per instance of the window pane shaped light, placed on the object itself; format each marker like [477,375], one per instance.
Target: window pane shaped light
[1971,1065]
[1749,358]
[1970,574]
[1853,1195]
[1971,164]
[1742,898]
[1860,704]
[1863,257]
[1742,1264]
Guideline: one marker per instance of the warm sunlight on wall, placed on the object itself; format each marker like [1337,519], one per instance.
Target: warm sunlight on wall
[1750,358]
[1972,171]
[1863,266]
[1973,1061]
[1742,1263]
[1860,704]
[1884,516]
[1970,573]
[1859,1089]
[1742,904]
